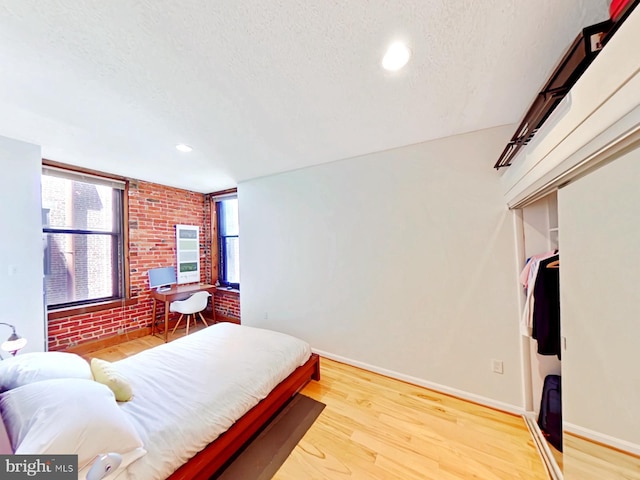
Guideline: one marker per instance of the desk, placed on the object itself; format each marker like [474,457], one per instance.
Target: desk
[178,292]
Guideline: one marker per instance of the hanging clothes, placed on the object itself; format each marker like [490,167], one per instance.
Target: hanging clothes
[546,307]
[527,279]
[530,270]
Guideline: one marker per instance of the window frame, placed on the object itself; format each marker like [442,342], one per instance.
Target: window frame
[120,253]
[221,248]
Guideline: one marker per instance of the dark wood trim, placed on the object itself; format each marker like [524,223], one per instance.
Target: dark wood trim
[75,168]
[90,308]
[215,263]
[215,247]
[224,318]
[224,291]
[125,242]
[228,191]
[67,312]
[99,344]
[205,463]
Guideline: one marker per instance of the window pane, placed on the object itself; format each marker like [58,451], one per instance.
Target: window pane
[229,217]
[232,259]
[77,205]
[78,267]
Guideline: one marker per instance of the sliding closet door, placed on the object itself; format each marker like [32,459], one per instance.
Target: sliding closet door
[540,231]
[599,217]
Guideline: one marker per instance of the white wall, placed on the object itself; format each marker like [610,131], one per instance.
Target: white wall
[599,287]
[402,260]
[21,271]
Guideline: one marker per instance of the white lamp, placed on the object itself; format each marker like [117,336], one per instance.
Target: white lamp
[14,343]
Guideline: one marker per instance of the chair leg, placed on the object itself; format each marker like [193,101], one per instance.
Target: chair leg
[188,322]
[202,318]
[178,323]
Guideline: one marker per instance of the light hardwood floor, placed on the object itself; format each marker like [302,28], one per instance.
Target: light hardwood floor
[585,460]
[374,427]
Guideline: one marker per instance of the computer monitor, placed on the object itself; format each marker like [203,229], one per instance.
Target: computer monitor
[162,278]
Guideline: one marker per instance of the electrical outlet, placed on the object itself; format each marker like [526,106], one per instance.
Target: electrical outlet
[120,331]
[266,315]
[497,366]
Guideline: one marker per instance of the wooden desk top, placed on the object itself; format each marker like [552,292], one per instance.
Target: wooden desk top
[177,292]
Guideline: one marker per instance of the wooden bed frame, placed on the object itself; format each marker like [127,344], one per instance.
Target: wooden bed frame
[207,462]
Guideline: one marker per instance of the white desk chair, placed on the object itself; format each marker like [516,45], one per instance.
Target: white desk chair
[196,303]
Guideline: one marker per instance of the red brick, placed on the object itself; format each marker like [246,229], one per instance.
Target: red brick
[151,244]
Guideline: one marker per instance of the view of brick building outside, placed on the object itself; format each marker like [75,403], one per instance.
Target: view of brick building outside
[77,267]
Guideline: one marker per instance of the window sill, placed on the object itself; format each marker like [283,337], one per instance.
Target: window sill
[232,291]
[92,307]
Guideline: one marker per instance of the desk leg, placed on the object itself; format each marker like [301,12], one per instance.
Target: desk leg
[166,321]
[153,317]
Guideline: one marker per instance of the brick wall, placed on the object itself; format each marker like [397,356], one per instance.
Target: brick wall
[228,304]
[153,212]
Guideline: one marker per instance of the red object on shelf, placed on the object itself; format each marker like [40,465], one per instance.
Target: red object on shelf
[617,7]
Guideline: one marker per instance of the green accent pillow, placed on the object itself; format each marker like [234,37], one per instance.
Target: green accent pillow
[104,372]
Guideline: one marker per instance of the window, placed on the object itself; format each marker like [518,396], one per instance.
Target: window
[82,225]
[228,242]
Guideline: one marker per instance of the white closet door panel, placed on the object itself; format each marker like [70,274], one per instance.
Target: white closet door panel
[600,281]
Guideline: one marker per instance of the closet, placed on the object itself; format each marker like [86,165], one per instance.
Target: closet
[538,232]
[575,187]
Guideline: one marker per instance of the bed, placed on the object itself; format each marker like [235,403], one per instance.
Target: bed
[195,402]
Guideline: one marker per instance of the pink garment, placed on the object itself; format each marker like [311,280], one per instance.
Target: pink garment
[528,278]
[524,275]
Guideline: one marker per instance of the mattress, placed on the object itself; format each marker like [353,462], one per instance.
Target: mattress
[190,391]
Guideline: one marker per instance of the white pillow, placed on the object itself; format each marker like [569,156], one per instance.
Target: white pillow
[37,366]
[67,416]
[127,459]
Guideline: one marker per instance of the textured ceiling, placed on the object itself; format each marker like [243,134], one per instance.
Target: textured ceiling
[263,86]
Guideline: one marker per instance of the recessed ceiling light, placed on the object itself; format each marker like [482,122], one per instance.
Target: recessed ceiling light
[397,56]
[183,148]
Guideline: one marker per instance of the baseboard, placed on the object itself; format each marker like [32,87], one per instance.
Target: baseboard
[454,392]
[224,318]
[99,344]
[606,440]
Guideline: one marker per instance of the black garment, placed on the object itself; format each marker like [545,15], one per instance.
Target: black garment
[546,308]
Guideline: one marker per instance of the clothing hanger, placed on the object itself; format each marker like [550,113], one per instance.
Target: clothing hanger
[554,264]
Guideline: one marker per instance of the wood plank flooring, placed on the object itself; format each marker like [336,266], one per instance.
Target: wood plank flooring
[375,428]
[586,460]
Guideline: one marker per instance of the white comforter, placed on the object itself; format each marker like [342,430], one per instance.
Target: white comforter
[189,391]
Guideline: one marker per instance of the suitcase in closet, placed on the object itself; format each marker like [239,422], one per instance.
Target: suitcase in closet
[550,416]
